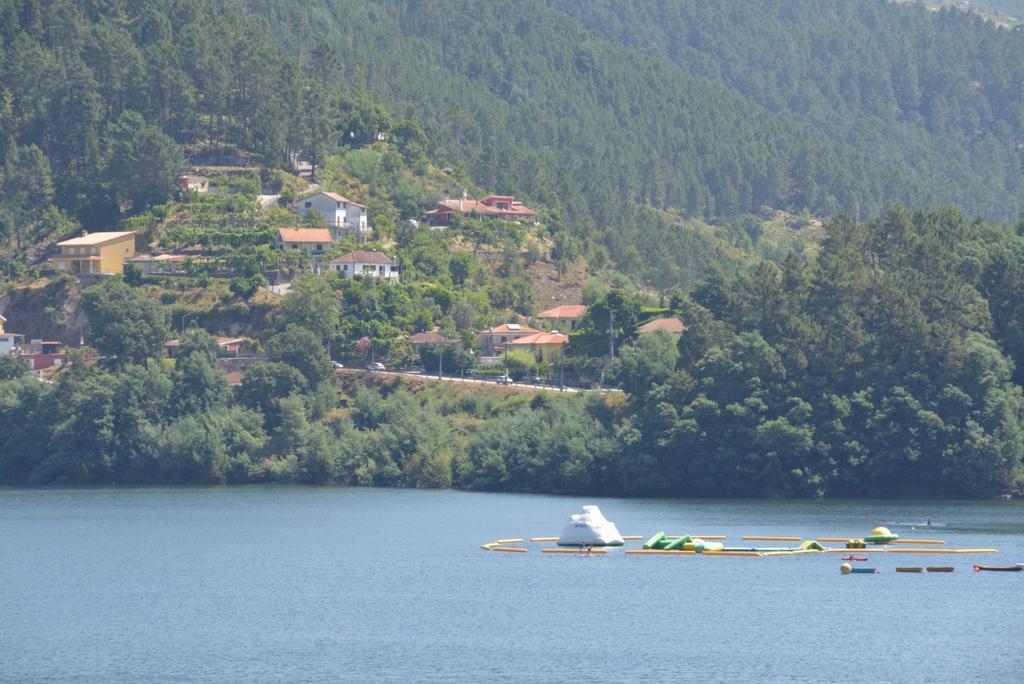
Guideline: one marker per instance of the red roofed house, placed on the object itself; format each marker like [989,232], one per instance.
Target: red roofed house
[190,182]
[343,216]
[361,263]
[565,317]
[40,354]
[672,325]
[503,207]
[313,241]
[545,347]
[493,340]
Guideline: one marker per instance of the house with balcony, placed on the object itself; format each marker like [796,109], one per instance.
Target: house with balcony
[493,341]
[365,264]
[504,207]
[545,347]
[95,253]
[8,340]
[342,216]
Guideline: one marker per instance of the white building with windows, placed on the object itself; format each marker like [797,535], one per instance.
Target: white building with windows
[315,242]
[343,216]
[371,264]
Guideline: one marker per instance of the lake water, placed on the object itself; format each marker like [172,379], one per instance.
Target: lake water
[289,584]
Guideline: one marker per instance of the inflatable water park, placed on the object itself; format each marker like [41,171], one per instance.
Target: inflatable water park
[589,533]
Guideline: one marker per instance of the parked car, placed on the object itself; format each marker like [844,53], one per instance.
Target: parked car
[377,366]
[337,365]
[504,380]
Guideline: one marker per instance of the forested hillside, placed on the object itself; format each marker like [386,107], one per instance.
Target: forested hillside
[938,91]
[100,103]
[711,108]
[678,155]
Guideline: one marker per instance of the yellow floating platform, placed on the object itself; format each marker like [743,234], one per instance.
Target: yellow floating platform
[778,553]
[733,553]
[632,537]
[762,538]
[940,550]
[510,549]
[856,551]
[543,539]
[658,552]
[509,541]
[917,541]
[578,552]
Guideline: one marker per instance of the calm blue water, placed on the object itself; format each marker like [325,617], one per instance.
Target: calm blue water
[304,584]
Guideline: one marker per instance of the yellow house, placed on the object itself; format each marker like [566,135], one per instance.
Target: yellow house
[545,347]
[95,253]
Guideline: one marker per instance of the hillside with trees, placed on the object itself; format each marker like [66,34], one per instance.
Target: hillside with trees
[713,109]
[737,171]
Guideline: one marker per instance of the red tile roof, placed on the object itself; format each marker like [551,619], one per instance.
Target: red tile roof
[564,311]
[469,206]
[542,338]
[305,235]
[504,329]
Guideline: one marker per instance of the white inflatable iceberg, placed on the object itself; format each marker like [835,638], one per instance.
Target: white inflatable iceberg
[590,528]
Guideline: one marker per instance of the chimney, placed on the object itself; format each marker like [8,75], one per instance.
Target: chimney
[84,232]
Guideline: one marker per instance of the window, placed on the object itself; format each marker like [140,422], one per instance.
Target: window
[309,204]
[319,247]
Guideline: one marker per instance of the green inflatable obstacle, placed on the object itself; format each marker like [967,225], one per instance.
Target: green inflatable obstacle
[677,544]
[881,535]
[658,541]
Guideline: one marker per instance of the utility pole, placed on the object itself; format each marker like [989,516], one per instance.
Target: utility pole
[611,333]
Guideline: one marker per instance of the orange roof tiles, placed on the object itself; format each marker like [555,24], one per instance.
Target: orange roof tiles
[542,338]
[564,311]
[304,235]
[504,329]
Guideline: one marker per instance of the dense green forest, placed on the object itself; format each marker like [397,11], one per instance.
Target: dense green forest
[101,102]
[887,359]
[887,368]
[712,108]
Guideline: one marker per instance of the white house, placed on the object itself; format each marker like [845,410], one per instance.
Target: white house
[190,182]
[372,264]
[343,216]
[313,241]
[7,340]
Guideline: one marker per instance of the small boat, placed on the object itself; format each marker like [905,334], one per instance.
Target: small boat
[999,568]
[854,558]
